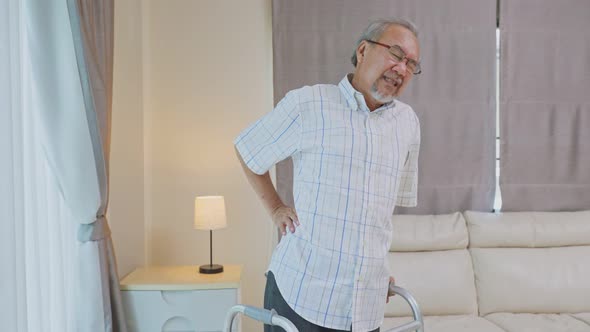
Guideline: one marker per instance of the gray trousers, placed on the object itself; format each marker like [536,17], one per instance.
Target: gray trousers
[274,300]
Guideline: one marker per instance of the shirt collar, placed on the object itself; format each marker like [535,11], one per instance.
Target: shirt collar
[356,98]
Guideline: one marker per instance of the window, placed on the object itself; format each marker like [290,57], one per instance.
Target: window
[498,197]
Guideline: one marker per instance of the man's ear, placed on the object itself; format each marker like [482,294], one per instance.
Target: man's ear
[360,51]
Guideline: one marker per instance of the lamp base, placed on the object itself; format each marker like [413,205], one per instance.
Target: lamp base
[210,268]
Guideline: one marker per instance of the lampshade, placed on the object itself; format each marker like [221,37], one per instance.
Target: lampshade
[210,212]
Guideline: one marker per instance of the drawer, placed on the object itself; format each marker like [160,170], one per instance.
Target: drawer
[190,310]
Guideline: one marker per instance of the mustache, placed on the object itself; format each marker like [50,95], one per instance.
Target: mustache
[396,78]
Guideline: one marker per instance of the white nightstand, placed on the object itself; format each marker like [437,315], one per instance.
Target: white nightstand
[179,298]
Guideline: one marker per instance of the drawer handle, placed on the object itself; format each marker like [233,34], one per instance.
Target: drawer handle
[177,298]
[178,324]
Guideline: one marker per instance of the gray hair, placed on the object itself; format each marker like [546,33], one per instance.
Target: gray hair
[376,29]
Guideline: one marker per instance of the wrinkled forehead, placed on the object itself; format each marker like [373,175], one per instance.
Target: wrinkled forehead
[400,35]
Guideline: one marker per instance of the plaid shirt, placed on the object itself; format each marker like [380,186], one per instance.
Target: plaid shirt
[351,167]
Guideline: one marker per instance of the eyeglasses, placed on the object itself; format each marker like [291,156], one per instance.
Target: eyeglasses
[399,56]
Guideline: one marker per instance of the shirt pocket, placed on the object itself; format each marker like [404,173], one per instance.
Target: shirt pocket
[328,148]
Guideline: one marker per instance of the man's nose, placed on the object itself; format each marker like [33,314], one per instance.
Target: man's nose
[400,68]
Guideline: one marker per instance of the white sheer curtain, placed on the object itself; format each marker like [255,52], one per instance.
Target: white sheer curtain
[38,247]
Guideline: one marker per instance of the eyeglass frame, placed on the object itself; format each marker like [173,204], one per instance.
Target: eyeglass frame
[390,47]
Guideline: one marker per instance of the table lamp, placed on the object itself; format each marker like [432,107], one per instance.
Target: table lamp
[210,215]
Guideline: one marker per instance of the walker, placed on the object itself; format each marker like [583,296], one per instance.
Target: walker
[270,317]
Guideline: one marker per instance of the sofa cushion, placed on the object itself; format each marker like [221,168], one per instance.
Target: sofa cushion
[441,281]
[537,322]
[454,323]
[528,229]
[533,280]
[429,232]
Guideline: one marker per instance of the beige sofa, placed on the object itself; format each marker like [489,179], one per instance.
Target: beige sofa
[516,272]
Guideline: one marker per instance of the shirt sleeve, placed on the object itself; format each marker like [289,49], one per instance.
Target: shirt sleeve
[274,137]
[407,194]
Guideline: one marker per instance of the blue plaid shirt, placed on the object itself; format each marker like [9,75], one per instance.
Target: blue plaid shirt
[351,167]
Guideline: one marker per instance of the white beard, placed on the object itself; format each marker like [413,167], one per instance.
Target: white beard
[379,97]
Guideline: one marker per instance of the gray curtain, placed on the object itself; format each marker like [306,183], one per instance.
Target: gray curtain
[454,97]
[92,25]
[545,105]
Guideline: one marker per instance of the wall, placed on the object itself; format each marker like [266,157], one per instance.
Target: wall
[126,208]
[207,75]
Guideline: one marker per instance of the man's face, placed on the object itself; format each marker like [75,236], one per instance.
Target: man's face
[380,77]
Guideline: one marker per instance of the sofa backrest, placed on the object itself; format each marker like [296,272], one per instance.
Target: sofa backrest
[531,262]
[429,258]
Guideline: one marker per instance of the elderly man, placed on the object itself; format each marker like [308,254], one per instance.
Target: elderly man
[355,155]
